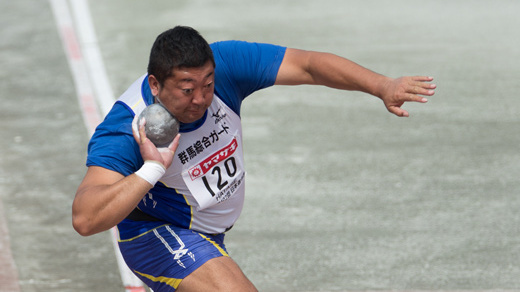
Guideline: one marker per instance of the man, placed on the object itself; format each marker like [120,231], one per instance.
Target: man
[172,205]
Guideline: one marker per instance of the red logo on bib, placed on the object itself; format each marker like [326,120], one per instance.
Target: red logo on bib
[220,155]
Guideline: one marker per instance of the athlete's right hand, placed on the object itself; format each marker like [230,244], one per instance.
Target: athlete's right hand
[148,150]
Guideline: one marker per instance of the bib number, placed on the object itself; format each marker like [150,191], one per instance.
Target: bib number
[221,182]
[216,178]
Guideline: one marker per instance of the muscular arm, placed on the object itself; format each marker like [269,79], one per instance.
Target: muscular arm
[307,67]
[106,197]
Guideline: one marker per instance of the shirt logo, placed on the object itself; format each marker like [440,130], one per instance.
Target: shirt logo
[218,116]
[220,155]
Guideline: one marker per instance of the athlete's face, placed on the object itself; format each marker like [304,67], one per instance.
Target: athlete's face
[188,93]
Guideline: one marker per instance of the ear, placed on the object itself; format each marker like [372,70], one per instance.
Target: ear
[154,85]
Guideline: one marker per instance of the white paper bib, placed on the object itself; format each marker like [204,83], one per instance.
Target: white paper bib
[218,176]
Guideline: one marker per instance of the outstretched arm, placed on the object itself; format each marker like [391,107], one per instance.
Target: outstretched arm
[307,67]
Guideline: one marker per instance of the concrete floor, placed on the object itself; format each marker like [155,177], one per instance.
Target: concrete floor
[345,196]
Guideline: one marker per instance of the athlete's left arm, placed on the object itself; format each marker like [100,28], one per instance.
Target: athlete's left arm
[308,67]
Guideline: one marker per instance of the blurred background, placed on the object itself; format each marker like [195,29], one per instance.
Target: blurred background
[341,195]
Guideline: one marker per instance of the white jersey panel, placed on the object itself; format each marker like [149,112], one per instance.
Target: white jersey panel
[208,166]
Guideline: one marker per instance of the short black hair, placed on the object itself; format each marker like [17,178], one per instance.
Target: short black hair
[179,47]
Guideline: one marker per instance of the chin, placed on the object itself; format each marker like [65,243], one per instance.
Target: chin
[190,119]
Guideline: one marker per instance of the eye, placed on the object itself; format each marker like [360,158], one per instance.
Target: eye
[209,85]
[188,90]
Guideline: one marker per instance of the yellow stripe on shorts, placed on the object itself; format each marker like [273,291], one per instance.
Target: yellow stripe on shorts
[173,282]
[224,253]
[135,237]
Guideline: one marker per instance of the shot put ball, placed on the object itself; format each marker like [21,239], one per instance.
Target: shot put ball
[161,126]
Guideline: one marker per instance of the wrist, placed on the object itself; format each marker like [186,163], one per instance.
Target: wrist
[383,85]
[151,171]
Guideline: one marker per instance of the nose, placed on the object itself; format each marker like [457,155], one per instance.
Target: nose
[198,97]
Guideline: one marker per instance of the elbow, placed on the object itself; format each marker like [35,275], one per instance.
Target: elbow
[82,225]
[83,220]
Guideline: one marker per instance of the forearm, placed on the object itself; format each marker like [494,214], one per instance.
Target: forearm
[316,68]
[337,72]
[99,207]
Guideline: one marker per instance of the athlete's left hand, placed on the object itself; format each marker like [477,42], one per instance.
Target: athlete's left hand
[396,92]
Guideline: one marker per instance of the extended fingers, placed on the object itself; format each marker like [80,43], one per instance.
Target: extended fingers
[414,97]
[167,153]
[142,132]
[421,85]
[135,129]
[422,78]
[398,111]
[418,86]
[173,145]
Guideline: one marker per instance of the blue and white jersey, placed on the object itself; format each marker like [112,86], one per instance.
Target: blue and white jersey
[204,189]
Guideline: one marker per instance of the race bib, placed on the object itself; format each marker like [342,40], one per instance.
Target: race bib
[217,177]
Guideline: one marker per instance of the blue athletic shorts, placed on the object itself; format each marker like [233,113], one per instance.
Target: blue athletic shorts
[164,255]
